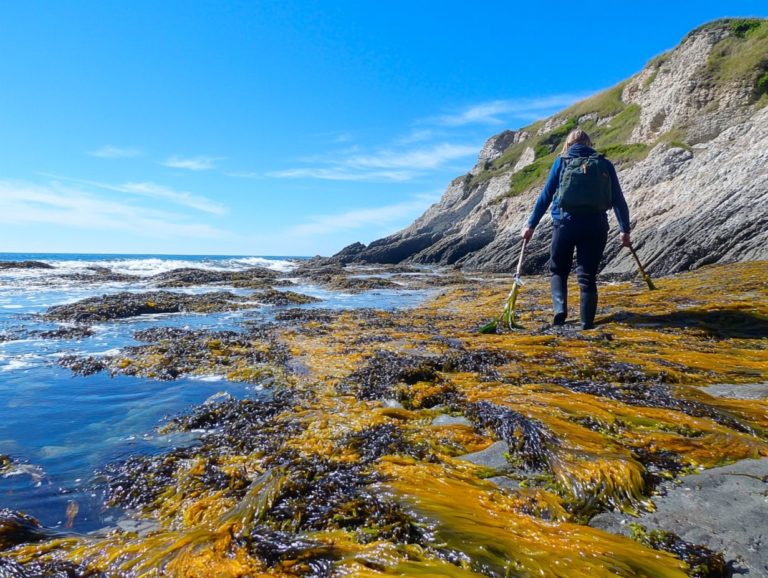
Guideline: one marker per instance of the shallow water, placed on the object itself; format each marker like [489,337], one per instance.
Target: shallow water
[61,428]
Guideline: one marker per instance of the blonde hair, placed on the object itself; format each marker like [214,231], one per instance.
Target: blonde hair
[576,136]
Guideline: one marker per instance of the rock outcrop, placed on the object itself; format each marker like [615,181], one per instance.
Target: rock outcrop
[689,137]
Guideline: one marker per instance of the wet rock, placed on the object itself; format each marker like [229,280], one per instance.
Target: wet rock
[527,439]
[10,467]
[17,528]
[445,419]
[12,335]
[25,265]
[738,391]
[125,305]
[285,549]
[140,527]
[723,509]
[100,275]
[256,277]
[283,298]
[359,284]
[82,366]
[339,278]
[304,316]
[46,569]
[506,482]
[77,332]
[493,457]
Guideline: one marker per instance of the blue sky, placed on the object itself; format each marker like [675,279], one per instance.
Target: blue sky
[283,127]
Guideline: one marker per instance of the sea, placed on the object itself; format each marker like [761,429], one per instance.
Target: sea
[59,429]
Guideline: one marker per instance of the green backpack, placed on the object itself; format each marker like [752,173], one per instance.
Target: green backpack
[585,185]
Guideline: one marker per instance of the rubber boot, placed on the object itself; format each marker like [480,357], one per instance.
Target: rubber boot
[588,308]
[559,299]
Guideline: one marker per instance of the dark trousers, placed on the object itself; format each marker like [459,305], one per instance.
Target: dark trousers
[587,236]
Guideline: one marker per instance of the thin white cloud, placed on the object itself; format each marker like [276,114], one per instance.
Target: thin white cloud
[425,158]
[342,174]
[192,163]
[417,136]
[385,165]
[156,191]
[112,152]
[368,218]
[55,204]
[499,111]
[343,137]
[179,197]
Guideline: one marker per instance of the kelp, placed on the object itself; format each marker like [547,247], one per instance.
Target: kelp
[168,353]
[702,562]
[346,471]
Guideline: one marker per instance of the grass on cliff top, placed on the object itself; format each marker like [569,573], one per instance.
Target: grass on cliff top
[609,138]
[741,56]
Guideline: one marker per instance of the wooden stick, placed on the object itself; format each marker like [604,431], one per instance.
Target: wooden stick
[520,260]
[646,277]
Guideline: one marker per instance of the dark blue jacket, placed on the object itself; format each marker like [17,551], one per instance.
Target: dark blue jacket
[550,188]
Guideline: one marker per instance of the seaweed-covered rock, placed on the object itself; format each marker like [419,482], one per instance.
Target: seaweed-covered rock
[527,438]
[46,569]
[231,427]
[321,494]
[17,528]
[256,277]
[82,365]
[702,561]
[170,352]
[282,298]
[655,394]
[25,265]
[339,278]
[381,440]
[100,275]
[125,305]
[376,380]
[358,284]
[311,321]
[76,332]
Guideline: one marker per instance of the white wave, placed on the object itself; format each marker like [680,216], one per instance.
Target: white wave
[20,362]
[209,378]
[144,267]
[153,266]
[282,266]
[114,351]
[36,473]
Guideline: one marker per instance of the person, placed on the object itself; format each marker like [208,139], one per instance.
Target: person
[584,228]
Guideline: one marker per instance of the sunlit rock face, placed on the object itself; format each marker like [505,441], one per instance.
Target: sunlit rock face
[689,137]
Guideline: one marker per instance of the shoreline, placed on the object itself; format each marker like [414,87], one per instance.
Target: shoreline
[593,421]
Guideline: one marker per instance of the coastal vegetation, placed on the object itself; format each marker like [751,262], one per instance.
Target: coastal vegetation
[738,58]
[363,460]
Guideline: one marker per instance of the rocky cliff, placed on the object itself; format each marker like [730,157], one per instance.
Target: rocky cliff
[688,135]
